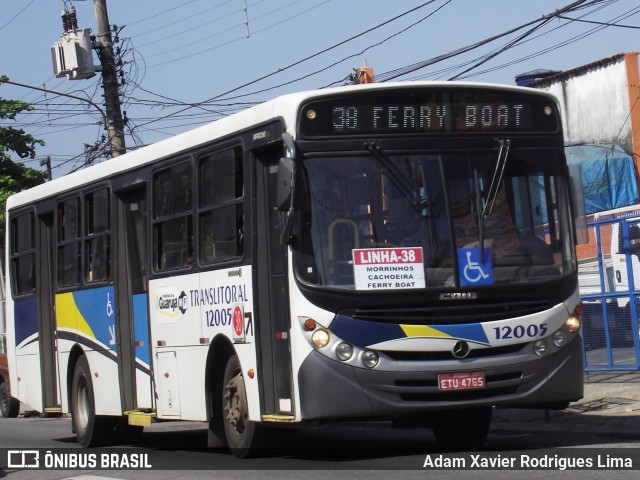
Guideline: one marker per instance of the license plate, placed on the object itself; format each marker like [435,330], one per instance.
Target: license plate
[461,381]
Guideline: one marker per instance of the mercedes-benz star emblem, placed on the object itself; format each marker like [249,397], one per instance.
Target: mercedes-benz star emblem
[460,349]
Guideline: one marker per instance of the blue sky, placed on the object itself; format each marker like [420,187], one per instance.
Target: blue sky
[178,52]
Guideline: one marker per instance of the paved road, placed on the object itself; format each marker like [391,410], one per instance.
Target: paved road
[606,421]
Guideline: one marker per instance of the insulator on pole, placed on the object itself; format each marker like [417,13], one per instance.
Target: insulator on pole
[73,18]
[65,21]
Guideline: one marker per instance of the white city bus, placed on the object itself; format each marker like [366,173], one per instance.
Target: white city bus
[387,251]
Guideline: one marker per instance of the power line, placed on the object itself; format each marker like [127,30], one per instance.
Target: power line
[345,58]
[606,24]
[209,109]
[385,77]
[564,43]
[150,17]
[438,73]
[173,23]
[17,14]
[501,50]
[298,62]
[236,39]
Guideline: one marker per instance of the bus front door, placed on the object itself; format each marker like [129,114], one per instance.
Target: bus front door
[272,319]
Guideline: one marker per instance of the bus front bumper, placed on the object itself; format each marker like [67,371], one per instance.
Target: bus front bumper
[332,390]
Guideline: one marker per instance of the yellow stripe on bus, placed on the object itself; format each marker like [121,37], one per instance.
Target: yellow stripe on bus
[68,315]
[422,331]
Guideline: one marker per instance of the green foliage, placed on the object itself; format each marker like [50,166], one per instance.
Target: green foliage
[15,177]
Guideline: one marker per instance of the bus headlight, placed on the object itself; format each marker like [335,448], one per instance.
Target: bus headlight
[572,323]
[320,337]
[540,348]
[559,338]
[369,358]
[344,351]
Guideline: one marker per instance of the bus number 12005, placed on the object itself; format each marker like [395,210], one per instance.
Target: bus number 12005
[531,331]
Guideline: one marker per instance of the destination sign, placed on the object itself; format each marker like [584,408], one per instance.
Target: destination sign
[406,111]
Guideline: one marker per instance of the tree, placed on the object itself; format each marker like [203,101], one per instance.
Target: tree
[15,177]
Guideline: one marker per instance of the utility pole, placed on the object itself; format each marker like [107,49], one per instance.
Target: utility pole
[115,124]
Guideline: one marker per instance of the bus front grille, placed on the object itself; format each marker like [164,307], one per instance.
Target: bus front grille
[423,356]
[442,314]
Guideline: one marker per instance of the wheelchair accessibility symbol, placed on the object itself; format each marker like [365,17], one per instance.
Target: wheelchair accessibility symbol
[473,269]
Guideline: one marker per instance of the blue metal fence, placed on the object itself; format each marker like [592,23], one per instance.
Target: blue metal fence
[610,293]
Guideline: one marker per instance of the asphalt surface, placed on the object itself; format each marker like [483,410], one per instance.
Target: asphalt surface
[611,405]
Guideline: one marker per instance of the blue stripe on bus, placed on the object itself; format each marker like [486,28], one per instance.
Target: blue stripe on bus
[25,312]
[141,328]
[97,307]
[363,333]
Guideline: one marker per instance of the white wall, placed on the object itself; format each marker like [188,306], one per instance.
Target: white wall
[595,105]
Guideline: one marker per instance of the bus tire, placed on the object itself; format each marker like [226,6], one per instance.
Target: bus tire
[242,434]
[462,428]
[9,406]
[91,430]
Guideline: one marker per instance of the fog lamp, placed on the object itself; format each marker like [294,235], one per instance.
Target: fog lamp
[344,351]
[559,338]
[572,323]
[320,337]
[540,348]
[369,358]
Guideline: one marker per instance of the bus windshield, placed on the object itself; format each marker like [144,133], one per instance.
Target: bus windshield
[393,221]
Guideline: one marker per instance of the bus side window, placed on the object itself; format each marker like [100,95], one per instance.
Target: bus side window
[221,211]
[97,236]
[23,256]
[172,217]
[69,242]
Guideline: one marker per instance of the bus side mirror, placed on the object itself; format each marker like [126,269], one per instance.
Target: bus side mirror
[284,192]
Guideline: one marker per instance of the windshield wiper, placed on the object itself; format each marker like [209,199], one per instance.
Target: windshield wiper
[492,194]
[417,199]
[498,173]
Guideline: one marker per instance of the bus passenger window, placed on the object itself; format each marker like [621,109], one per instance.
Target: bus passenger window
[69,256]
[23,254]
[174,239]
[96,236]
[173,225]
[221,217]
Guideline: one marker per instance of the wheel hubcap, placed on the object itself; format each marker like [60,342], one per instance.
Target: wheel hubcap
[235,404]
[83,403]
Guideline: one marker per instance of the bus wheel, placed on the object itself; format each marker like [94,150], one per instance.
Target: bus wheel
[92,430]
[9,406]
[462,428]
[241,433]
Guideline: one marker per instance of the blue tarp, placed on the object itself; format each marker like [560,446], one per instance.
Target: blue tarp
[608,176]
